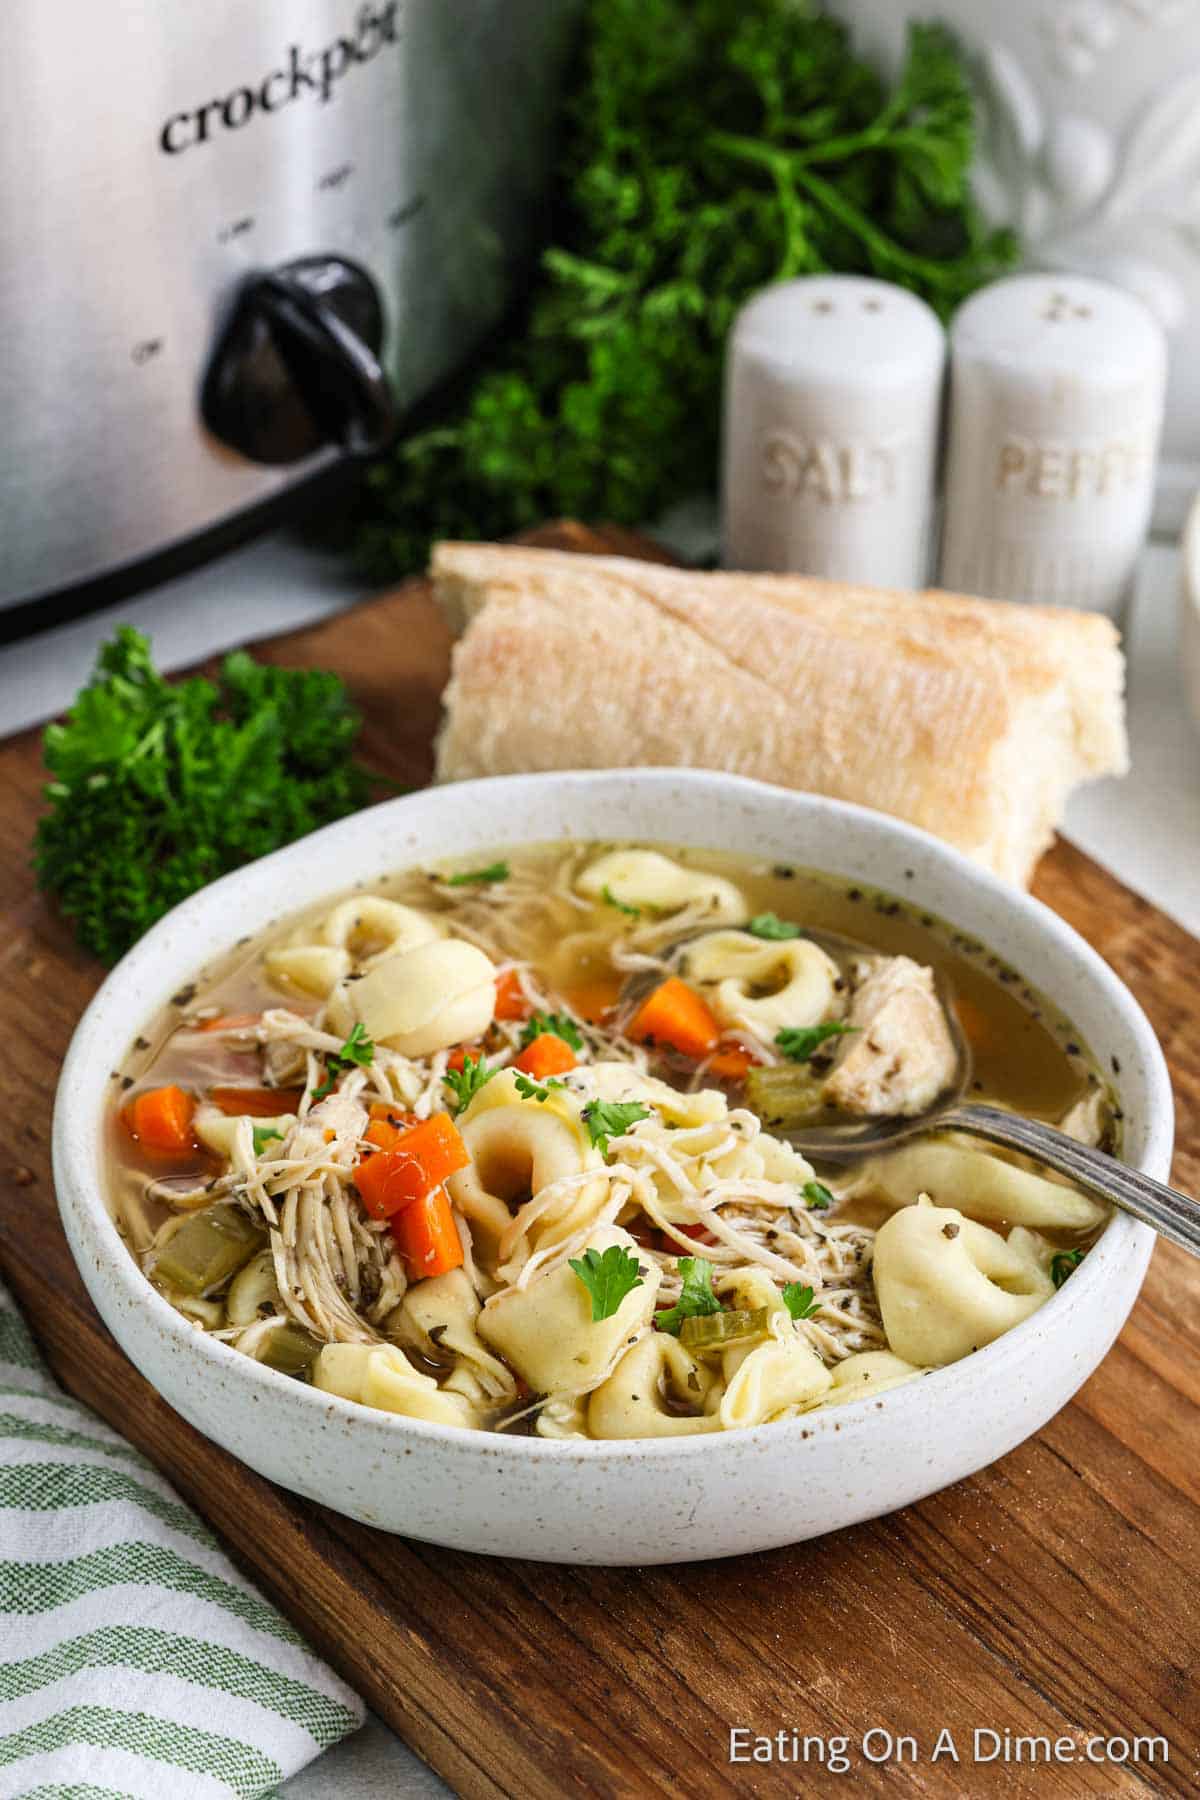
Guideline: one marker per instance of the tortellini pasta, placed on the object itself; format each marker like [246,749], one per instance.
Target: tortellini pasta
[947,1286]
[647,1392]
[763,987]
[520,1147]
[866,1374]
[953,1173]
[359,932]
[231,1135]
[647,878]
[771,1379]
[625,1081]
[380,1375]
[546,1332]
[440,1315]
[425,999]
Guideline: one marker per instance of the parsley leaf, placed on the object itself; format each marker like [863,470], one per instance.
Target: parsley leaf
[1064,1263]
[622,906]
[801,1043]
[799,1300]
[158,787]
[612,1118]
[262,1136]
[608,1277]
[358,1052]
[553,1024]
[818,1196]
[770,926]
[537,1090]
[497,871]
[466,1082]
[696,1296]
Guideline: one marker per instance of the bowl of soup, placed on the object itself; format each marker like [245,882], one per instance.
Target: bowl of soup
[448,1166]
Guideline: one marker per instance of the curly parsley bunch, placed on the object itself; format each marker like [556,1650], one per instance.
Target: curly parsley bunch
[709,147]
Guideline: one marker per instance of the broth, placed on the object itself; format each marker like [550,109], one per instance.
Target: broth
[593,962]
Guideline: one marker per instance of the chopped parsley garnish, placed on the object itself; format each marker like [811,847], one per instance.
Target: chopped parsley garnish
[537,1090]
[611,1118]
[1064,1263]
[817,1195]
[799,1300]
[554,1025]
[770,926]
[497,871]
[263,1135]
[622,906]
[466,1082]
[696,1297]
[801,1043]
[358,1052]
[608,1276]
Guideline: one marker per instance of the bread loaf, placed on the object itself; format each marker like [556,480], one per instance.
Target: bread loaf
[971,718]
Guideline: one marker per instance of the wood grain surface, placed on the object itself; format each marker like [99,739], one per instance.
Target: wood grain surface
[1054,1594]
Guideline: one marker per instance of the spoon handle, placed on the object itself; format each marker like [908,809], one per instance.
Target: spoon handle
[1172,1214]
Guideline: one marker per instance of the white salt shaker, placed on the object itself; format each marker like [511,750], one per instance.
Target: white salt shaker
[832,407]
[1057,387]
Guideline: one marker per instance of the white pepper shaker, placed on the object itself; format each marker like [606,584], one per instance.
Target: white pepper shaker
[1057,386]
[832,407]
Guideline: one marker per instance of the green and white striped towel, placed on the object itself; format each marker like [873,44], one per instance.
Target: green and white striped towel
[134,1659]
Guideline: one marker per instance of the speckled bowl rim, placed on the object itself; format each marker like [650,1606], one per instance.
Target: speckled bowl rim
[78,1174]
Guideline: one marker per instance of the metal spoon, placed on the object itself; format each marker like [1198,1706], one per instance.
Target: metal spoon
[1172,1214]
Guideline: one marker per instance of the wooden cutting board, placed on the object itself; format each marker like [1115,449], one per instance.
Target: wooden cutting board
[1054,1594]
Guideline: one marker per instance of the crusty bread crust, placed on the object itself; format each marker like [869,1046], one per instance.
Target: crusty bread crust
[971,718]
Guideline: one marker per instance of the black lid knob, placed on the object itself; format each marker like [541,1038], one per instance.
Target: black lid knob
[297,365]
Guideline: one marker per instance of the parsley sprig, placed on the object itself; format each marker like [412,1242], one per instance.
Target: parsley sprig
[799,1300]
[817,1196]
[696,1297]
[466,1082]
[770,926]
[497,871]
[611,1118]
[262,1135]
[555,1025]
[800,1043]
[608,1276]
[358,1052]
[1064,1263]
[537,1090]
[621,906]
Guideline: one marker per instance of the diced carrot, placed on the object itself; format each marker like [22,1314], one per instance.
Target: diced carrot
[427,1237]
[419,1161]
[510,996]
[259,1102]
[548,1054]
[388,1126]
[161,1120]
[458,1057]
[676,1015]
[594,1000]
[231,1022]
[730,1062]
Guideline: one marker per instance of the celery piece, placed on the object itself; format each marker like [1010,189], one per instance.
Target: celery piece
[717,1331]
[209,1247]
[789,1096]
[289,1348]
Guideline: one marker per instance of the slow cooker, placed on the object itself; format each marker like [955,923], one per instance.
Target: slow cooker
[239,242]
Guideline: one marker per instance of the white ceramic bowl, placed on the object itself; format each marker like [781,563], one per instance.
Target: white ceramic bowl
[628,1502]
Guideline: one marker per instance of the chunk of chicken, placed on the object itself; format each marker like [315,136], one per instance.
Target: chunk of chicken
[900,1055]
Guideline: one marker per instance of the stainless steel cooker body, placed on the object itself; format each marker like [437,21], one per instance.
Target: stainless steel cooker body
[156,160]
